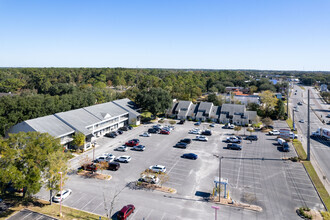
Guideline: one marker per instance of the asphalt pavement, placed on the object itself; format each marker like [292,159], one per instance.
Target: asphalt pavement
[256,175]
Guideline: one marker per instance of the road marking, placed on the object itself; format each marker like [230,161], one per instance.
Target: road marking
[101,203]
[304,195]
[239,169]
[148,215]
[173,167]
[27,215]
[88,203]
[135,211]
[163,216]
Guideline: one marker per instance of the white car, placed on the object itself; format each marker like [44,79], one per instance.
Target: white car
[302,121]
[65,194]
[110,156]
[121,148]
[123,159]
[201,138]
[158,168]
[102,159]
[149,179]
[233,139]
[146,134]
[195,131]
[274,132]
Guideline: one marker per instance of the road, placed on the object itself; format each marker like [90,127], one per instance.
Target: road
[320,149]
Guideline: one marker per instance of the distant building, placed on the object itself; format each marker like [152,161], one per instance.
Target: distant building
[324,88]
[203,111]
[237,114]
[237,89]
[244,99]
[93,121]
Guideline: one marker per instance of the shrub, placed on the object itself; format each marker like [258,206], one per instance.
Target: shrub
[189,119]
[161,121]
[172,122]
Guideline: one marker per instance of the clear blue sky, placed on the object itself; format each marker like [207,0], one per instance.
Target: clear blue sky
[231,34]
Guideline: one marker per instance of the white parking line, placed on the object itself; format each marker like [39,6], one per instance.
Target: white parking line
[163,216]
[135,211]
[239,169]
[88,203]
[101,203]
[27,215]
[148,215]
[173,167]
[304,195]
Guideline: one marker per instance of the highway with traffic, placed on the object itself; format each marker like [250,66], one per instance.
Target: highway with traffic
[320,148]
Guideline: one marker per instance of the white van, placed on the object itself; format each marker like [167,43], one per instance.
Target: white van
[280,141]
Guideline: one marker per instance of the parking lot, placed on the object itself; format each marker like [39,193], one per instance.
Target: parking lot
[30,215]
[256,174]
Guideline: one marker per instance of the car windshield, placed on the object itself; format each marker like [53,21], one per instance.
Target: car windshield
[58,194]
[120,214]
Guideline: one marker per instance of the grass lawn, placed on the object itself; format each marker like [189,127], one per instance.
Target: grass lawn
[303,88]
[299,148]
[146,114]
[318,184]
[67,213]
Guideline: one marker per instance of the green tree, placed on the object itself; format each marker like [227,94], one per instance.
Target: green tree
[78,139]
[155,100]
[267,121]
[269,101]
[280,112]
[25,160]
[57,163]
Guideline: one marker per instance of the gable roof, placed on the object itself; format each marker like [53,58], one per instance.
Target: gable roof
[127,105]
[233,108]
[105,110]
[50,124]
[205,106]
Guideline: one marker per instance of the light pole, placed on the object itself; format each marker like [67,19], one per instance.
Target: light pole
[61,195]
[93,145]
[216,208]
[220,157]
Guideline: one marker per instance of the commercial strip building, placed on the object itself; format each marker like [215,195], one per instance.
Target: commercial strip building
[93,121]
[203,111]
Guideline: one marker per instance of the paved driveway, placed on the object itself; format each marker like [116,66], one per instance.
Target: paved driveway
[256,175]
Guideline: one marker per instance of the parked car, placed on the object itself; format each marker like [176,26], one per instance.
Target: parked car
[120,132]
[181,145]
[65,193]
[299,103]
[207,132]
[274,132]
[212,125]
[286,147]
[229,126]
[111,156]
[328,116]
[102,159]
[234,146]
[233,139]
[123,128]
[198,123]
[186,140]
[123,159]
[164,132]
[113,166]
[89,167]
[121,148]
[131,143]
[182,121]
[190,156]
[152,131]
[252,138]
[152,179]
[302,121]
[195,131]
[146,134]
[136,140]
[201,138]
[269,127]
[158,168]
[125,212]
[111,135]
[139,148]
[280,141]
[130,127]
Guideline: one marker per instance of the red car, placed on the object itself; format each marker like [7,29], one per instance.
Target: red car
[164,132]
[90,167]
[125,212]
[131,143]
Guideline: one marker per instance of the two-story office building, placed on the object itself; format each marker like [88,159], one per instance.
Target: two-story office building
[93,121]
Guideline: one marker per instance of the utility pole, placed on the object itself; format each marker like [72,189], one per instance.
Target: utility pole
[287,101]
[308,128]
[293,124]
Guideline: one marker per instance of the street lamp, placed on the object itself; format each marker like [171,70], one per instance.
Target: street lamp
[220,157]
[216,208]
[61,195]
